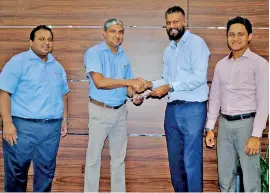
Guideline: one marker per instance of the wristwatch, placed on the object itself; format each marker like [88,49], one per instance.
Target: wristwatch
[66,120]
[171,88]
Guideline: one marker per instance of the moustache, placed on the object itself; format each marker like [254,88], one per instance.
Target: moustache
[170,30]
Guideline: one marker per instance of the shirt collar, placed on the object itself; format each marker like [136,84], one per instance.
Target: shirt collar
[104,47]
[32,55]
[247,54]
[183,39]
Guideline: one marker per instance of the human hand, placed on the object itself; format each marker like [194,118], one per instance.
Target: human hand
[64,128]
[138,85]
[210,139]
[10,133]
[253,146]
[160,91]
[138,99]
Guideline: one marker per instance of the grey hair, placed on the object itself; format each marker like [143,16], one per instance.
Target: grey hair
[111,22]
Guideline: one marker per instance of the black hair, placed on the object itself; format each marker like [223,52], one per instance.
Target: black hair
[174,9]
[40,27]
[240,20]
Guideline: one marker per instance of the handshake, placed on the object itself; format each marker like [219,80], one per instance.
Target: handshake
[139,85]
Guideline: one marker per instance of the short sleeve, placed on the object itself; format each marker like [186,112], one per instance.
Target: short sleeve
[11,74]
[65,85]
[92,61]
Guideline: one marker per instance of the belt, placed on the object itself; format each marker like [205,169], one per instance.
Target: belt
[238,117]
[39,120]
[178,102]
[104,105]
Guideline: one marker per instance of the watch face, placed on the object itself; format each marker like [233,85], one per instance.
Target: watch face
[171,89]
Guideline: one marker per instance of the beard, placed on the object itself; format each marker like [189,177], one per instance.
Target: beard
[174,37]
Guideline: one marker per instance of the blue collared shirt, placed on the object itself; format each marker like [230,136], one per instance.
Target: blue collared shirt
[37,87]
[185,68]
[100,58]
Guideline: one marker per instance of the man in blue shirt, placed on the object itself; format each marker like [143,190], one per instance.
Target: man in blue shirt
[33,100]
[110,79]
[184,79]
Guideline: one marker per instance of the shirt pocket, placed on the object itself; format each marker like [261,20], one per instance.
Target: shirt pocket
[121,71]
[33,76]
[57,79]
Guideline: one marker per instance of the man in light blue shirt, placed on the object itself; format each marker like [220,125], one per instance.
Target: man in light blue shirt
[110,79]
[184,79]
[33,101]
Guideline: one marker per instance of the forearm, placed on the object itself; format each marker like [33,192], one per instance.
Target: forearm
[262,99]
[259,124]
[109,83]
[192,82]
[214,102]
[158,83]
[214,106]
[65,101]
[5,106]
[262,112]
[212,116]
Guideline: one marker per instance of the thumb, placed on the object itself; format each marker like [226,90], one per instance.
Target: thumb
[213,141]
[208,141]
[246,147]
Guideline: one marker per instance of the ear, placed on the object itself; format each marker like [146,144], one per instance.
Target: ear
[31,43]
[103,34]
[250,36]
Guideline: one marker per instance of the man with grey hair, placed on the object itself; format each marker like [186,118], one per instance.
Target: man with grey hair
[110,78]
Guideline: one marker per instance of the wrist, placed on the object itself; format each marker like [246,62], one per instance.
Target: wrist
[65,119]
[149,84]
[170,88]
[128,82]
[208,129]
[7,121]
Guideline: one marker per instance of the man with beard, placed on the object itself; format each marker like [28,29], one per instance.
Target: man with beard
[33,101]
[241,89]
[184,79]
[110,78]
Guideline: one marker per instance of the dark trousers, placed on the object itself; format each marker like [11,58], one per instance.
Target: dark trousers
[37,142]
[184,125]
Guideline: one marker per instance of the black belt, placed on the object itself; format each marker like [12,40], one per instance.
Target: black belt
[178,102]
[39,120]
[238,117]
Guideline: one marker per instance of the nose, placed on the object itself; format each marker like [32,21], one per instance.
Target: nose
[117,35]
[172,24]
